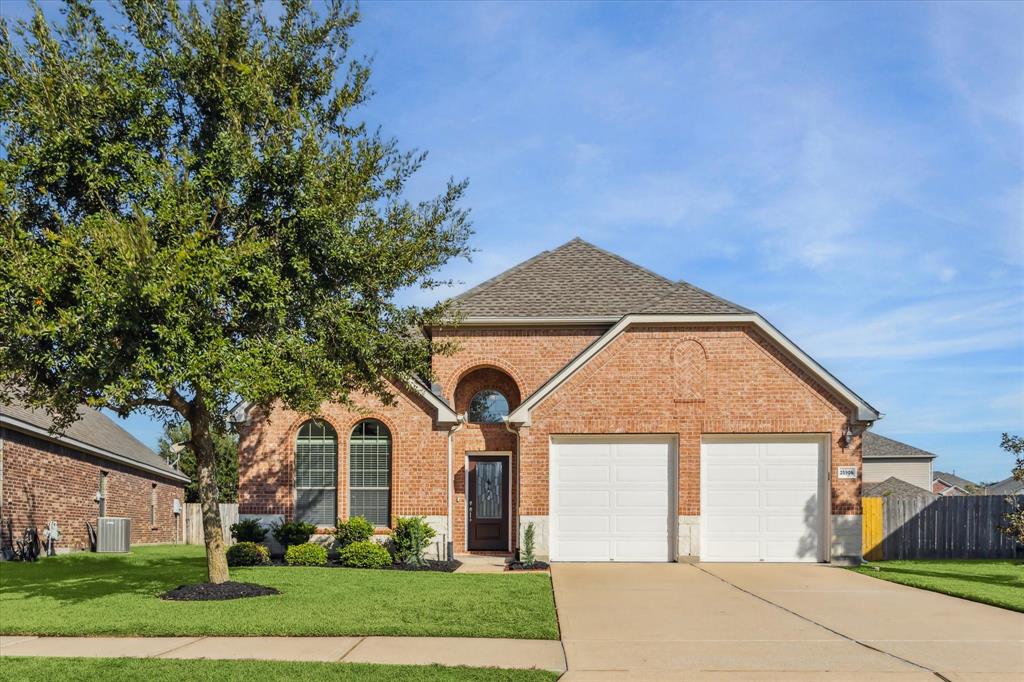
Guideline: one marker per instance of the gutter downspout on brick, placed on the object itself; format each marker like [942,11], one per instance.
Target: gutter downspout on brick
[451,487]
[515,432]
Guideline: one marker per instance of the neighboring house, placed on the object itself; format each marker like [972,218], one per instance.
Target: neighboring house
[945,484]
[628,417]
[887,458]
[895,488]
[93,468]
[1008,486]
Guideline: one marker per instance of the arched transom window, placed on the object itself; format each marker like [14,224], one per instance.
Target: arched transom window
[488,407]
[316,473]
[369,467]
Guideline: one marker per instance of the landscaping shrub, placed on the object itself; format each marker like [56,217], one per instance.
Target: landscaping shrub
[248,530]
[356,529]
[529,558]
[365,554]
[306,554]
[248,554]
[411,536]
[292,533]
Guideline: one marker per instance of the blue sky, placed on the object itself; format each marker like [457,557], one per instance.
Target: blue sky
[854,172]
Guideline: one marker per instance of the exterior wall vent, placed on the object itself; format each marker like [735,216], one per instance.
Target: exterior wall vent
[113,534]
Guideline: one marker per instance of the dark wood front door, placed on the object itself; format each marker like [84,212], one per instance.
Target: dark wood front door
[487,503]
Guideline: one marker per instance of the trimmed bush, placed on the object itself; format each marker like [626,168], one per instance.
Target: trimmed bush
[365,554]
[529,557]
[306,554]
[356,529]
[248,530]
[248,554]
[292,533]
[411,537]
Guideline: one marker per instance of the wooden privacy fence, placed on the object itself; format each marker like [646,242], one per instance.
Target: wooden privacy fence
[955,527]
[193,519]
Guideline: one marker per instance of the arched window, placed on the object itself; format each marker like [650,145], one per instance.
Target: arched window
[369,472]
[316,474]
[488,407]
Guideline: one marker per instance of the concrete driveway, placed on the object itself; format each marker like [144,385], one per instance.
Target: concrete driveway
[774,622]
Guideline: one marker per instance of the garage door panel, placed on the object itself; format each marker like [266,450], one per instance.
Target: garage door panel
[761,500]
[584,473]
[620,515]
[733,498]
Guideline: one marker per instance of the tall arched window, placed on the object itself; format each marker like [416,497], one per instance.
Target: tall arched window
[369,467]
[316,474]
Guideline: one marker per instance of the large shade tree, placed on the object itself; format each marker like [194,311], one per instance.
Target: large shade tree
[192,214]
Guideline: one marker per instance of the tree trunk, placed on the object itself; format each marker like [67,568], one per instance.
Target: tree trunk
[209,498]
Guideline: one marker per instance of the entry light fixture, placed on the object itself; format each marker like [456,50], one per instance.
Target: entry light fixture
[847,436]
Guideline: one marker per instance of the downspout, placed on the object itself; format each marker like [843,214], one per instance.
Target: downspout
[519,497]
[451,487]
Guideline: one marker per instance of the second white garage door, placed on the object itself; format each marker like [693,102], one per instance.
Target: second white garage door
[611,498]
[761,499]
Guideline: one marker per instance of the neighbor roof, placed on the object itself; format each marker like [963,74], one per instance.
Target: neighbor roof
[895,487]
[953,479]
[93,432]
[875,446]
[578,281]
[1007,486]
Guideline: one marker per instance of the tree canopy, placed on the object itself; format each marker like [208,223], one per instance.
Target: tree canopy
[192,213]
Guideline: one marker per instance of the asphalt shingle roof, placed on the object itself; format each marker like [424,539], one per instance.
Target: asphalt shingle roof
[953,479]
[873,446]
[579,279]
[895,487]
[96,429]
[1008,486]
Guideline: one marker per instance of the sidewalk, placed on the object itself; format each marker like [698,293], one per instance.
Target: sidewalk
[450,651]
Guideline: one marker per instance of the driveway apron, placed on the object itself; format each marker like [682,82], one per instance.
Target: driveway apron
[772,621]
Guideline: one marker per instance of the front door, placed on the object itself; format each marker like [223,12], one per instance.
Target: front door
[487,503]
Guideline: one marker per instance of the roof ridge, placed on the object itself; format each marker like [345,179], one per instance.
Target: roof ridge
[693,287]
[619,258]
[501,276]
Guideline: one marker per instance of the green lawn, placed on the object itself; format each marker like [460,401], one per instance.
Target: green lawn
[158,670]
[989,581]
[109,594]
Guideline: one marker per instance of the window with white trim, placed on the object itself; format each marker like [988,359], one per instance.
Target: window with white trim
[316,474]
[369,472]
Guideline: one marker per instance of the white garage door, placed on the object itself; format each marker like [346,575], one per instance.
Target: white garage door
[761,499]
[611,498]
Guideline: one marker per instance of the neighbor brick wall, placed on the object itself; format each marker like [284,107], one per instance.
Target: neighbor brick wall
[44,481]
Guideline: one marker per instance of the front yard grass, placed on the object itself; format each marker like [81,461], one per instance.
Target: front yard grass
[111,594]
[159,670]
[999,582]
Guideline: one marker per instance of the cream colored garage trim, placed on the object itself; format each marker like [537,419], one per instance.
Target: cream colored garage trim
[864,411]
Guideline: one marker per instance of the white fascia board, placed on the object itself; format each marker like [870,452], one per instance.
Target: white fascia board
[532,321]
[74,444]
[865,412]
[445,414]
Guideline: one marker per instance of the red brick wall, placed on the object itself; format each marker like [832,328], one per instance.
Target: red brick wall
[685,381]
[419,450]
[44,481]
[630,387]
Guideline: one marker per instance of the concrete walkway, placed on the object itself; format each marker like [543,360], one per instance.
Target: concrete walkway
[774,622]
[476,652]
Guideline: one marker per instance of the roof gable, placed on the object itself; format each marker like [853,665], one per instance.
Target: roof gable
[580,280]
[875,446]
[953,480]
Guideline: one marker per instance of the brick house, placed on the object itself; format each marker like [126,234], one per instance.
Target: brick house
[93,468]
[627,416]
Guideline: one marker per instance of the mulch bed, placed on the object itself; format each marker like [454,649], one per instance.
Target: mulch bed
[431,565]
[218,592]
[520,566]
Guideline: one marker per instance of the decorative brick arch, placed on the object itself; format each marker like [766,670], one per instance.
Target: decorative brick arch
[690,365]
[481,362]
